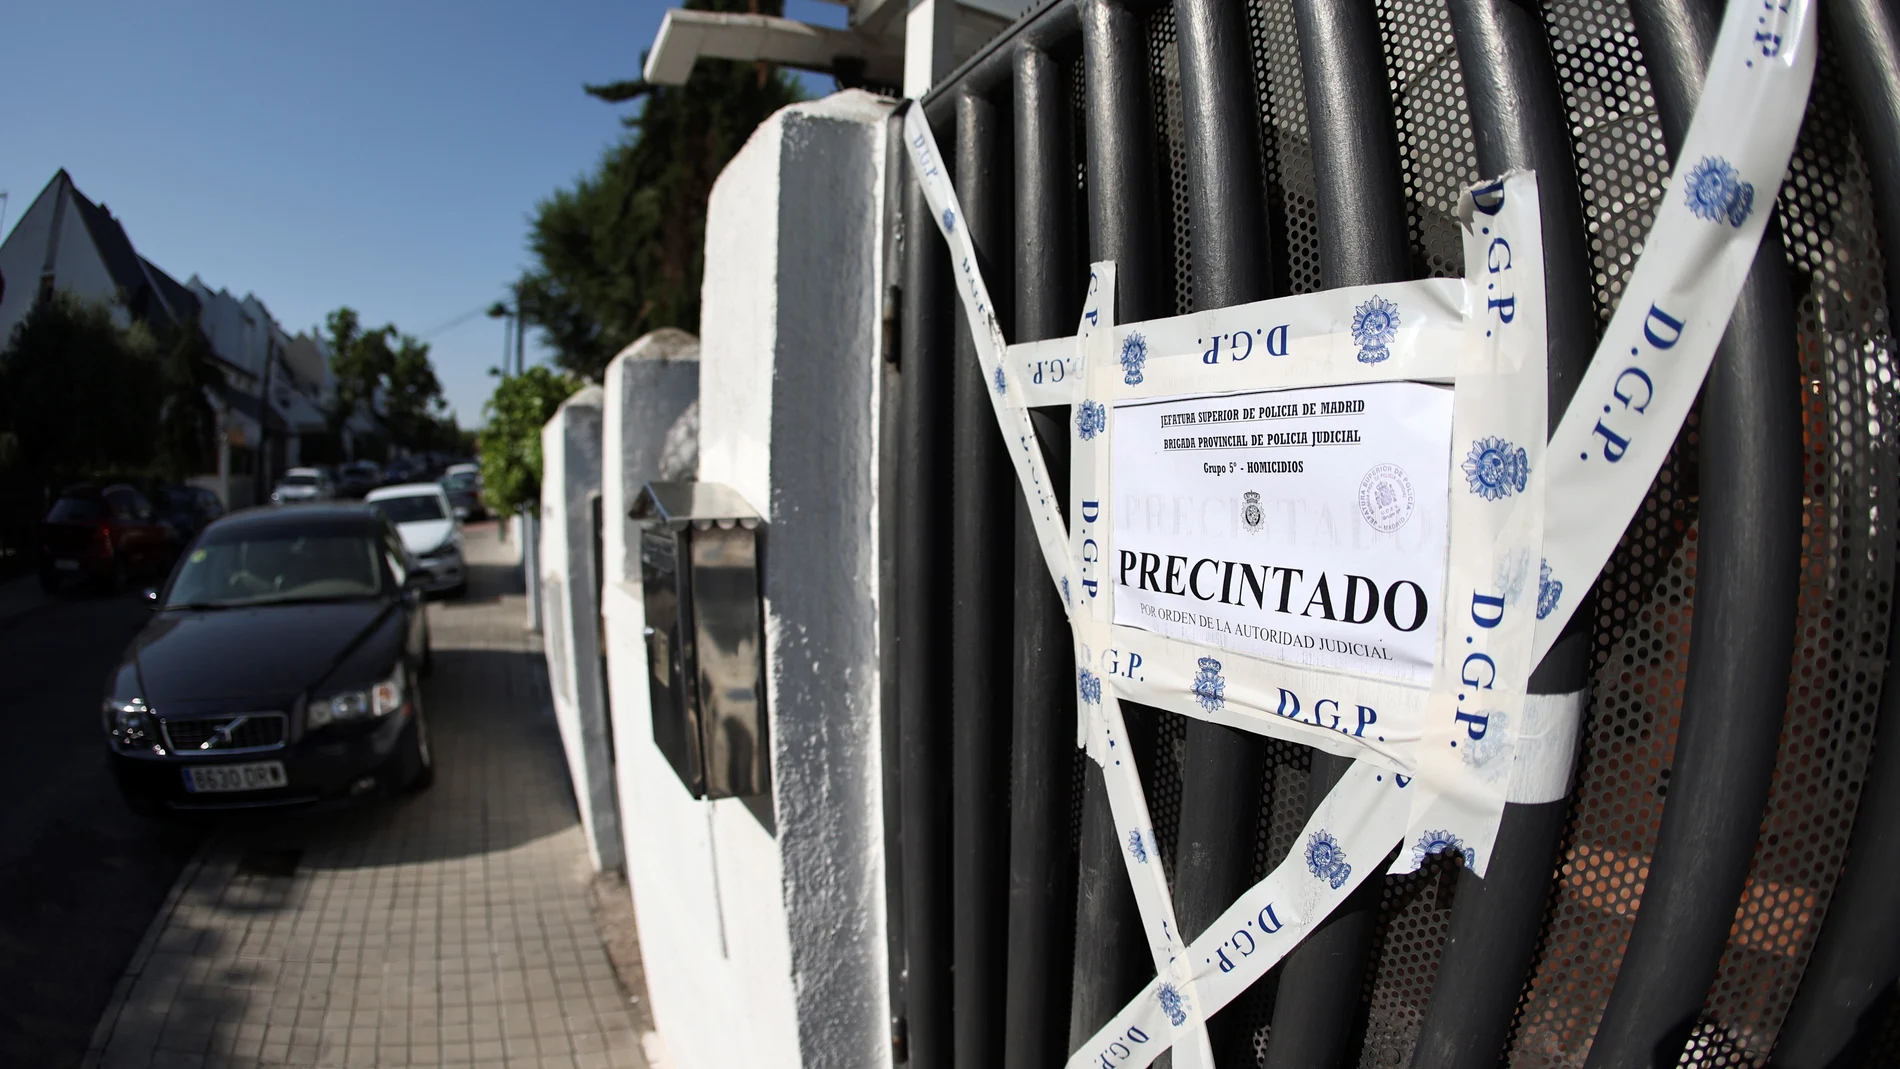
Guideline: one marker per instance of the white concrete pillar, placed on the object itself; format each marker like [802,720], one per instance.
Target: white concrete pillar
[762,926]
[570,500]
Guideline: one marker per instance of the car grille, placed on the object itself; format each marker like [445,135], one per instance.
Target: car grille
[214,734]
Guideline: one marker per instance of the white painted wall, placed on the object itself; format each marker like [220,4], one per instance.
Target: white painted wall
[764,939]
[570,613]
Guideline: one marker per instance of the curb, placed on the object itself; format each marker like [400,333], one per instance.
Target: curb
[109,1020]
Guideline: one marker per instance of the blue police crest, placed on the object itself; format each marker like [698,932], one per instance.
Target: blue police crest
[1088,687]
[998,379]
[1549,591]
[1437,842]
[1209,688]
[1134,355]
[1716,192]
[949,220]
[1495,468]
[1374,326]
[1091,419]
[1137,848]
[1172,1004]
[1325,860]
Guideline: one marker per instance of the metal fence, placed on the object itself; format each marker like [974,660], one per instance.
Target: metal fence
[1718,890]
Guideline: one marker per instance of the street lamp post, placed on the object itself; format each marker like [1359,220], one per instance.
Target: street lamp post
[530,540]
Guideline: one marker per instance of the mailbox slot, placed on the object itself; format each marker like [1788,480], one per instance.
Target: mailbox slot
[705,636]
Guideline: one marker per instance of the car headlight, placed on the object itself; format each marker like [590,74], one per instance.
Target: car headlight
[380,700]
[131,723]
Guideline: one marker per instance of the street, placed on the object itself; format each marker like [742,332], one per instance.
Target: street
[449,927]
[79,875]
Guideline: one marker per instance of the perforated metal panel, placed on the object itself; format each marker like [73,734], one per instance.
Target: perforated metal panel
[1287,163]
[1164,71]
[1435,146]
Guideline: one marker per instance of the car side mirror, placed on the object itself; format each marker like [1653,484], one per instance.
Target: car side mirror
[149,596]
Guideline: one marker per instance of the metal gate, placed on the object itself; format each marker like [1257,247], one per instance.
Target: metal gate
[1719,888]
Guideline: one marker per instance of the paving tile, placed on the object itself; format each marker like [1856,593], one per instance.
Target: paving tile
[446,929]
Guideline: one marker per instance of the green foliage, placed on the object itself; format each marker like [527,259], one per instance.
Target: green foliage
[621,252]
[187,424]
[511,441]
[76,392]
[391,367]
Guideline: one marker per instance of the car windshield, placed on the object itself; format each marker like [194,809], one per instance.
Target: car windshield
[298,480]
[412,508]
[277,567]
[77,510]
[461,480]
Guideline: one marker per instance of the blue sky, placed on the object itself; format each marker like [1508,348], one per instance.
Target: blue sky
[381,155]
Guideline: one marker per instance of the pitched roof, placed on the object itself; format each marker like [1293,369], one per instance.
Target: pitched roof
[121,260]
[182,302]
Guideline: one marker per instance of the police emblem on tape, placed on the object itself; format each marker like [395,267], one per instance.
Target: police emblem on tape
[1090,419]
[1442,842]
[1496,469]
[1717,193]
[1374,326]
[1134,356]
[1325,860]
[1210,688]
[1172,1004]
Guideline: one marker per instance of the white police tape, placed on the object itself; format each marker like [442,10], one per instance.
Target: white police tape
[1676,302]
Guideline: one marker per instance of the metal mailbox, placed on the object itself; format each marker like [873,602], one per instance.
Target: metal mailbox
[704,635]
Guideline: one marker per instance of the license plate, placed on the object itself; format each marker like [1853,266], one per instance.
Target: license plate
[66,565]
[255,776]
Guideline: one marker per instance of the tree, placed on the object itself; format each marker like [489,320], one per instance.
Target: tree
[511,441]
[387,372]
[76,392]
[187,424]
[621,253]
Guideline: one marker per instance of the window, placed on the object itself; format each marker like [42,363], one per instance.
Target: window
[77,510]
[414,508]
[276,567]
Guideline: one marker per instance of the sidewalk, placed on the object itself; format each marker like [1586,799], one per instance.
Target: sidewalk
[452,928]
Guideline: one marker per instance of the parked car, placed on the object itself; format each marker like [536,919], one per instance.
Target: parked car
[401,470]
[426,521]
[463,484]
[103,538]
[187,508]
[280,667]
[357,478]
[301,485]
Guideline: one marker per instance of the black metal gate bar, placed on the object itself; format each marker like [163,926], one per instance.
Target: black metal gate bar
[1857,954]
[922,437]
[1518,120]
[1221,767]
[1360,197]
[981,546]
[1042,753]
[1743,630]
[1856,957]
[1111,952]
[1867,37]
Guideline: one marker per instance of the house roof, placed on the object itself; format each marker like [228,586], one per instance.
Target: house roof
[179,298]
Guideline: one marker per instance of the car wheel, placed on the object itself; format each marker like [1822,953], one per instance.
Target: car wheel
[421,758]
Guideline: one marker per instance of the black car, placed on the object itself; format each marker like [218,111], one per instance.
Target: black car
[187,508]
[281,667]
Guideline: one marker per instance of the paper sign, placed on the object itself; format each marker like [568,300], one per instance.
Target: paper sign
[1306,526]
